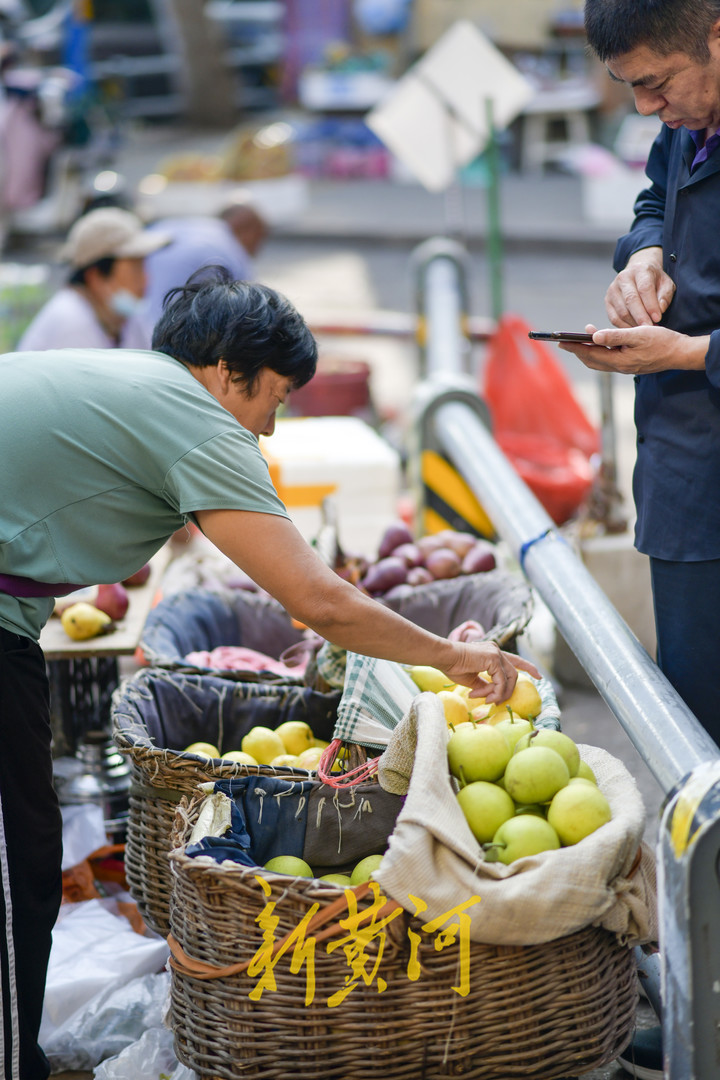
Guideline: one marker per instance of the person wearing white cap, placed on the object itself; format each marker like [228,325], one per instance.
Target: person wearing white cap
[105,250]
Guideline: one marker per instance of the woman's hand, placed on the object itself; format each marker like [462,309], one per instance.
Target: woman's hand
[501,668]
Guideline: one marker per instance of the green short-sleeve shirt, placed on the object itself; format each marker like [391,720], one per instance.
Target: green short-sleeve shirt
[104,455]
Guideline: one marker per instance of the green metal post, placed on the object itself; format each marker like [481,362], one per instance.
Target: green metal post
[494,239]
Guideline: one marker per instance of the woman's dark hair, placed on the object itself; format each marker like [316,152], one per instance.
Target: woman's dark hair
[616,27]
[103,267]
[213,317]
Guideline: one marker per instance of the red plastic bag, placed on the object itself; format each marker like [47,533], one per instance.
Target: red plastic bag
[537,421]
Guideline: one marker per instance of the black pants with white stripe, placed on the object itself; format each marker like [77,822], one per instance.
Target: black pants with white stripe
[30,854]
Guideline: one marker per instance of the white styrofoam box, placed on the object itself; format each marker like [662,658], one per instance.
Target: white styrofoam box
[340,457]
[609,199]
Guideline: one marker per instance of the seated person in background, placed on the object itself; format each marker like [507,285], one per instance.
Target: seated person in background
[105,250]
[232,239]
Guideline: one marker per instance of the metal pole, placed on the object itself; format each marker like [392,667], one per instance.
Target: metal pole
[658,722]
[606,501]
[442,302]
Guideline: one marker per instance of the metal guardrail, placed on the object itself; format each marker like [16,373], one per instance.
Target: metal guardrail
[677,750]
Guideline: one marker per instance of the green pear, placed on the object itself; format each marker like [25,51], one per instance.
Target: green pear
[514,728]
[585,772]
[578,810]
[480,752]
[556,740]
[336,879]
[529,808]
[289,864]
[535,775]
[485,807]
[521,836]
[364,870]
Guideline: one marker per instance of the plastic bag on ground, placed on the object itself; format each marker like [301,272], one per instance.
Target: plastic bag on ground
[113,1019]
[94,952]
[152,1057]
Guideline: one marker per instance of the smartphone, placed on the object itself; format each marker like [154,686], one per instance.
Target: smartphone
[561,335]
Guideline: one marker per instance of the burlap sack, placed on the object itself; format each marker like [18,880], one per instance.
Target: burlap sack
[607,880]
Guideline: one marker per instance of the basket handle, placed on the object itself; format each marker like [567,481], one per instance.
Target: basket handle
[347,779]
[199,969]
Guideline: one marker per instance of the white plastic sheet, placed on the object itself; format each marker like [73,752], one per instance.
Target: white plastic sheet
[111,1021]
[151,1058]
[94,951]
[83,832]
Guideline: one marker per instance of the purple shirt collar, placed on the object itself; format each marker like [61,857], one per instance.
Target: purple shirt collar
[703,147]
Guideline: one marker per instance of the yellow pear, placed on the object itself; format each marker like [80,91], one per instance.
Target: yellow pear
[82,621]
[454,706]
[525,699]
[310,758]
[263,744]
[240,757]
[483,712]
[296,736]
[430,678]
[286,759]
[203,749]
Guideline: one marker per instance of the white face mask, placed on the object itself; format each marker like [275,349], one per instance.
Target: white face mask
[125,303]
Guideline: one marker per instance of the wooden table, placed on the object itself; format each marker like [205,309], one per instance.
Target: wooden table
[125,638]
[84,674]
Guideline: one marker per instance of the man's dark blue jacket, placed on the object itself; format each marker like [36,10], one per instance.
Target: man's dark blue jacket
[677,413]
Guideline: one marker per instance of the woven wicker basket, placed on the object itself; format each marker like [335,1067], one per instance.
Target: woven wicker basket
[201,619]
[154,715]
[499,600]
[537,1012]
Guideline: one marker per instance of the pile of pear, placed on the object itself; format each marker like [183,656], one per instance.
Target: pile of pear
[292,866]
[523,790]
[292,743]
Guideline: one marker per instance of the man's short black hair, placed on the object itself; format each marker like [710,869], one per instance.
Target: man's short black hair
[616,27]
[250,326]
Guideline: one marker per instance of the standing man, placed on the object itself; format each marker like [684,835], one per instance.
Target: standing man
[665,302]
[105,251]
[231,239]
[665,306]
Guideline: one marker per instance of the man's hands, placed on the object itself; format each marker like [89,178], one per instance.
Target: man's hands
[639,350]
[475,656]
[641,293]
[636,301]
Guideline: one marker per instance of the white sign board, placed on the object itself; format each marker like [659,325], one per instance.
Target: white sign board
[435,118]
